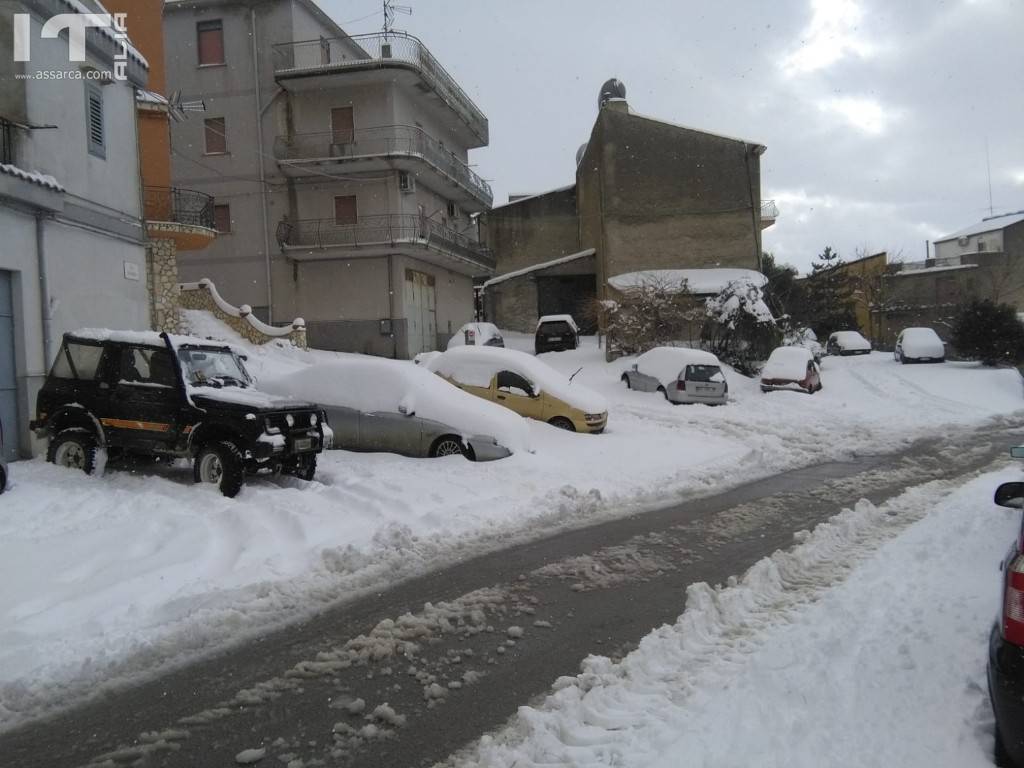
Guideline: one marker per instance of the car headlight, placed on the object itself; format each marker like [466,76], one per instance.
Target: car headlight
[593,416]
[313,419]
[289,420]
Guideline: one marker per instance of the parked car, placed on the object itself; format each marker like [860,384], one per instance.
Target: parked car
[3,461]
[1006,640]
[805,337]
[525,385]
[388,405]
[791,368]
[153,395]
[682,375]
[477,334]
[919,345]
[556,333]
[847,343]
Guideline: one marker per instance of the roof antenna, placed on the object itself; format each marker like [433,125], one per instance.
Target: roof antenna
[390,9]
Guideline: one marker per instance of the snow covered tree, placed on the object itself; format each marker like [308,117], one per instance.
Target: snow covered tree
[989,332]
[654,313]
[740,329]
[828,303]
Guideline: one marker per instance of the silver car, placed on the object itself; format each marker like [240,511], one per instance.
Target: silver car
[682,375]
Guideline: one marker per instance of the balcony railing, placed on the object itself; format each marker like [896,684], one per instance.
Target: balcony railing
[769,210]
[178,206]
[383,230]
[388,140]
[6,142]
[379,49]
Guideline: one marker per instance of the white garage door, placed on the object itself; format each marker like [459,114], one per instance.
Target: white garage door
[8,378]
[420,311]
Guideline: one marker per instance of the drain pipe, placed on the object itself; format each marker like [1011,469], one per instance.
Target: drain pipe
[44,291]
[263,175]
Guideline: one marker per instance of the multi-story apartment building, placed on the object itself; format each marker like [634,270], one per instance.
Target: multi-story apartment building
[73,241]
[339,168]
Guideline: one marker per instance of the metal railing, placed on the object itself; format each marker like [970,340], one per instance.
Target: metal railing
[379,49]
[6,141]
[382,229]
[180,206]
[769,210]
[915,266]
[386,140]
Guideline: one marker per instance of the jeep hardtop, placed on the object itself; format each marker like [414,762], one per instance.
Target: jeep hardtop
[147,394]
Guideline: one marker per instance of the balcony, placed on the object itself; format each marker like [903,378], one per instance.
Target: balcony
[400,147]
[769,213]
[182,215]
[380,235]
[310,60]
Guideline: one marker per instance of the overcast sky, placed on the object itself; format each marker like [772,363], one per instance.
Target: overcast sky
[875,113]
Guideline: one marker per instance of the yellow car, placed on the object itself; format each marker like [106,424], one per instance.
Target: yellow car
[523,384]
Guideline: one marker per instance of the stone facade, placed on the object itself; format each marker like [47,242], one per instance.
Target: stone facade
[203,296]
[162,282]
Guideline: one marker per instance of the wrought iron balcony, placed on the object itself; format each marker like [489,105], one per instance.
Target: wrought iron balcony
[178,206]
[389,141]
[385,230]
[375,51]
[769,210]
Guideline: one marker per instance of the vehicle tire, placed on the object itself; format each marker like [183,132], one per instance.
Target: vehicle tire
[305,467]
[664,392]
[73,448]
[765,389]
[3,480]
[1002,757]
[625,378]
[562,423]
[220,463]
[447,445]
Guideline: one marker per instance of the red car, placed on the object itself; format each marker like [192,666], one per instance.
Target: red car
[791,368]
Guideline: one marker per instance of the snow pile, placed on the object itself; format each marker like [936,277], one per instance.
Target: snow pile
[480,334]
[666,364]
[42,179]
[697,281]
[477,366]
[374,385]
[739,297]
[889,605]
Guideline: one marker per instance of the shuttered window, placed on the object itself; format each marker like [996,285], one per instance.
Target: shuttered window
[211,42]
[345,210]
[222,218]
[216,136]
[94,120]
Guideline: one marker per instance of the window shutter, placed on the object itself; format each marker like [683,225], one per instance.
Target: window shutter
[211,42]
[216,136]
[345,212]
[222,217]
[94,120]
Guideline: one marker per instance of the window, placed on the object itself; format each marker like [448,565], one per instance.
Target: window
[77,361]
[342,125]
[211,42]
[148,366]
[94,120]
[981,246]
[216,136]
[222,218]
[514,384]
[452,211]
[345,212]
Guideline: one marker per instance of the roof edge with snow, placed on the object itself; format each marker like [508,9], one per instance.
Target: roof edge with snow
[537,267]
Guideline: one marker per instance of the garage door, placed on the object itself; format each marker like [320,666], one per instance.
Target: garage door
[8,379]
[420,311]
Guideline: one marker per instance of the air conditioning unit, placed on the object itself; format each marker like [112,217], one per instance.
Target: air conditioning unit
[406,182]
[963,241]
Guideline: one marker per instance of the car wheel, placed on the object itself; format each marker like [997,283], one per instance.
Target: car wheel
[625,378]
[3,480]
[447,445]
[74,449]
[1002,757]
[221,464]
[765,389]
[664,392]
[562,423]
[305,467]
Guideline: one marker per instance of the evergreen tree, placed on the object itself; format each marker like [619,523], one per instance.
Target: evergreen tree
[989,332]
[829,296]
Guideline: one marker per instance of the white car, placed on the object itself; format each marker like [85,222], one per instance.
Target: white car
[477,335]
[919,345]
[847,343]
[682,375]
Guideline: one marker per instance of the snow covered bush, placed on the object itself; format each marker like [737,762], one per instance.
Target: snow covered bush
[654,314]
[740,329]
[989,332]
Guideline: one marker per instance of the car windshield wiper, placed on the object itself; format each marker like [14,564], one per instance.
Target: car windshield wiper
[234,380]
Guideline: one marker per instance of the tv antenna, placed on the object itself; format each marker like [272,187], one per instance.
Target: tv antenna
[390,9]
[179,109]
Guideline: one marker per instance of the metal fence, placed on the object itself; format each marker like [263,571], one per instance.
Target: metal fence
[181,206]
[769,210]
[384,140]
[379,49]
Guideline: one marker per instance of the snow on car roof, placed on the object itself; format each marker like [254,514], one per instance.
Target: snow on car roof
[848,336]
[920,333]
[666,363]
[150,338]
[787,363]
[374,385]
[483,332]
[559,319]
[476,366]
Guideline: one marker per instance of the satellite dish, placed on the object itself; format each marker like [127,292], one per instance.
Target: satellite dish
[612,89]
[580,152]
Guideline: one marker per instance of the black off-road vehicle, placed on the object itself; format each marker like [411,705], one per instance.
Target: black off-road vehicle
[143,394]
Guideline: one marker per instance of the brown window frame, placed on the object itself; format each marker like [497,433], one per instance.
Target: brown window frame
[210,25]
[218,208]
[219,135]
[355,211]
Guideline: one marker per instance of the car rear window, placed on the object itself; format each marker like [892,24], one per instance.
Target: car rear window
[77,361]
[555,328]
[704,373]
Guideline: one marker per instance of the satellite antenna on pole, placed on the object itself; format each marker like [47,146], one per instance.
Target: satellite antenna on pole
[178,109]
[390,9]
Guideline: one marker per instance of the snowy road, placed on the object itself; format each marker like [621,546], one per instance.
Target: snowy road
[392,681]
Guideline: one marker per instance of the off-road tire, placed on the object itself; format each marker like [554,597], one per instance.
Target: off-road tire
[221,463]
[562,423]
[305,467]
[74,448]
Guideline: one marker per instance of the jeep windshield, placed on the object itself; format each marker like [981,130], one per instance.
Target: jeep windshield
[202,366]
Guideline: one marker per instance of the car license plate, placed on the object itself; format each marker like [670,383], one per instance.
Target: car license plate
[705,389]
[554,338]
[303,444]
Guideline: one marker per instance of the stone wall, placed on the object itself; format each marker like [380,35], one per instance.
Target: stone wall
[162,282]
[203,295]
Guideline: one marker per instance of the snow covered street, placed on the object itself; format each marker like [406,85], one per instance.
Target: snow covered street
[109,578]
[865,645]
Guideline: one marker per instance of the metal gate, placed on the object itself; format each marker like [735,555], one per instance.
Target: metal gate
[420,311]
[8,376]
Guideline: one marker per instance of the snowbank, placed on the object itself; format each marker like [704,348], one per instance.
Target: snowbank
[697,281]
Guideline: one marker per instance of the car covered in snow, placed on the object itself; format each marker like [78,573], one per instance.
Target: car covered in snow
[380,405]
[524,384]
[806,337]
[847,343]
[682,375]
[1006,640]
[919,345]
[556,333]
[791,368]
[478,335]
[147,394]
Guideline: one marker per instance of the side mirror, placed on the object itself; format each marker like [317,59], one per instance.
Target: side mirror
[1010,495]
[405,411]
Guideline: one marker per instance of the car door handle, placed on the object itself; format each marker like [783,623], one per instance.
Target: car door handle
[501,397]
